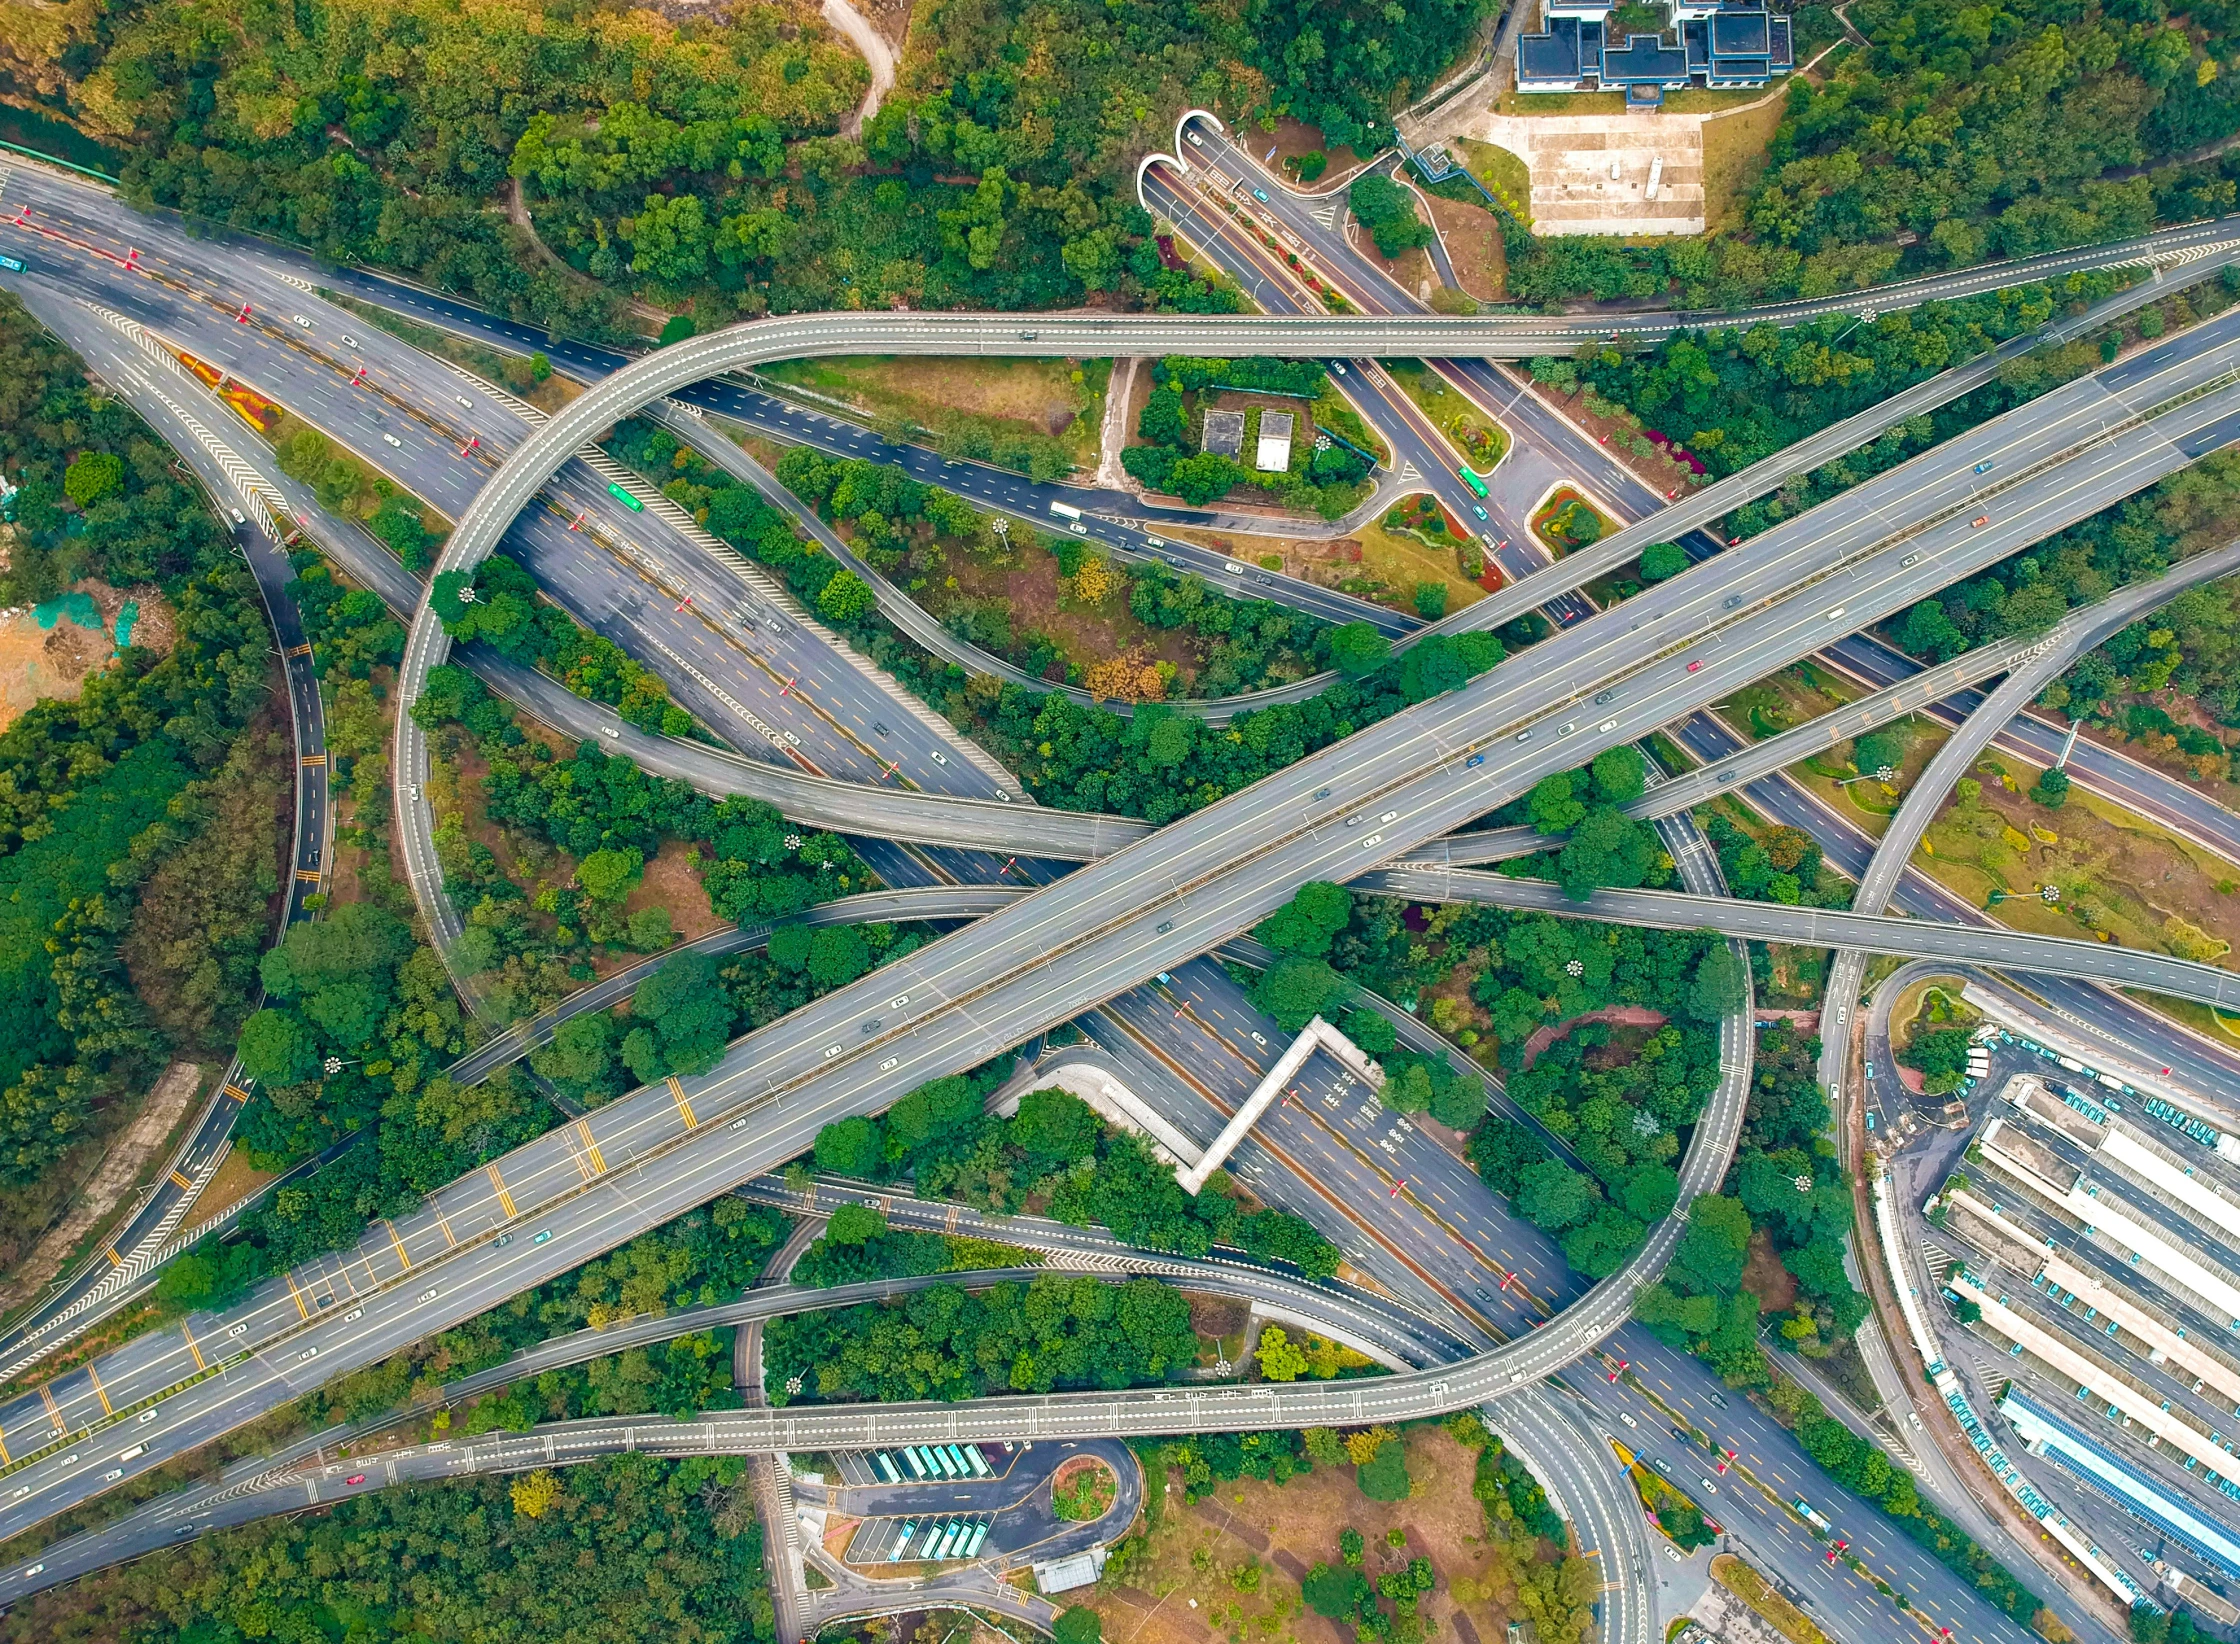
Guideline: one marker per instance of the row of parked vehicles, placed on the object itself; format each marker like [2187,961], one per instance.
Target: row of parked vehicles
[917,1462]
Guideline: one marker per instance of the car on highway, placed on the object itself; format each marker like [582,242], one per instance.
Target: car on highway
[1984,467]
[1259,195]
[1709,1488]
[1524,736]
[1693,666]
[349,341]
[427,1296]
[1480,512]
[1474,761]
[1979,522]
[1605,696]
[391,439]
[503,1240]
[1672,1552]
[354,1480]
[1196,141]
[542,1237]
[464,401]
[1909,562]
[1628,1420]
[300,320]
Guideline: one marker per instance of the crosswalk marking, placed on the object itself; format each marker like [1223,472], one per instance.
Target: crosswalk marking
[237,1093]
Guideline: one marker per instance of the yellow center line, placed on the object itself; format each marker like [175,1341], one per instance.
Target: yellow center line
[676,1089]
[115,1260]
[449,1242]
[54,1411]
[191,1347]
[505,1199]
[297,1294]
[5,1458]
[100,1392]
[399,1243]
[591,1146]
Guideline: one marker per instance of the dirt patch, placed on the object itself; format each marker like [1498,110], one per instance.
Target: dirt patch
[52,657]
[1026,581]
[1217,1316]
[1765,1278]
[1288,1529]
[235,1180]
[1734,154]
[120,1168]
[1473,236]
[1616,1015]
[1058,398]
[672,881]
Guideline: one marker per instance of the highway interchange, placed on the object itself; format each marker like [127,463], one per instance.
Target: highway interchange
[2118,460]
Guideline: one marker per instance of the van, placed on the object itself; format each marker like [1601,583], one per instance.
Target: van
[136,1451]
[1232,567]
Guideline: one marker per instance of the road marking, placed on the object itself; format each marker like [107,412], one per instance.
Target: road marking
[313,759]
[449,1242]
[115,1260]
[54,1412]
[676,1089]
[237,1093]
[299,650]
[505,1199]
[311,874]
[5,1458]
[183,1181]
[399,1243]
[297,1294]
[191,1347]
[591,1146]
[100,1392]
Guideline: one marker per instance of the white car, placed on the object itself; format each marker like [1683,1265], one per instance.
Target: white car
[1628,1420]
[1196,141]
[300,320]
[391,439]
[463,400]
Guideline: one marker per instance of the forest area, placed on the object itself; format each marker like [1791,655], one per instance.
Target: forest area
[698,165]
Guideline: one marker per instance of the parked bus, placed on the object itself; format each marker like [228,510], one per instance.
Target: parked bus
[979,1534]
[621,494]
[1065,510]
[902,1542]
[911,1461]
[976,1461]
[885,1468]
[956,1460]
[1477,485]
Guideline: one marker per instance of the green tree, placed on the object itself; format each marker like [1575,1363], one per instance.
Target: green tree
[93,476]
[1310,921]
[1621,775]
[1384,1477]
[1358,650]
[1296,989]
[846,598]
[1078,1624]
[1719,987]
[277,1047]
[1554,1196]
[1661,561]
[1431,600]
[2051,790]
[1607,848]
[610,875]
[1054,1126]
[1712,1251]
[851,1147]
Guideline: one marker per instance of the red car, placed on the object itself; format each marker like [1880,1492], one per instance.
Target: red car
[1979,522]
[1693,666]
[355,1479]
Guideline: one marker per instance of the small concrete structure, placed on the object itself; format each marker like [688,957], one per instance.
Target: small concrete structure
[1062,1575]
[1109,1096]
[1317,1035]
[2204,1598]
[1223,434]
[1274,454]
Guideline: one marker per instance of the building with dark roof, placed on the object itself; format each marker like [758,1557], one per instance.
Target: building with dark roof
[1711,43]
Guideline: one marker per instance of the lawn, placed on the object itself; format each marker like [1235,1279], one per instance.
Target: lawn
[1475,437]
[1734,153]
[1061,400]
[1233,1562]
[1505,173]
[2118,877]
[1399,560]
[1566,520]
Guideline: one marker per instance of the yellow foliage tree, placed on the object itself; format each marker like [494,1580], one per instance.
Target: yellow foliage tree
[1095,580]
[535,1493]
[1362,1447]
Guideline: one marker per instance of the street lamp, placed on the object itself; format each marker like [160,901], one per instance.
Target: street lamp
[1881,773]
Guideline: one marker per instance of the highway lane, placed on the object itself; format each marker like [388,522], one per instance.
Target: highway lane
[2093,766]
[42,1329]
[1824,927]
[908,1080]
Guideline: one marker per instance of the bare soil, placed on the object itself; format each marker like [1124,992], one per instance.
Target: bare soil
[235,1180]
[1616,1015]
[1087,634]
[1765,1278]
[120,1168]
[55,662]
[1473,236]
[1194,1553]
